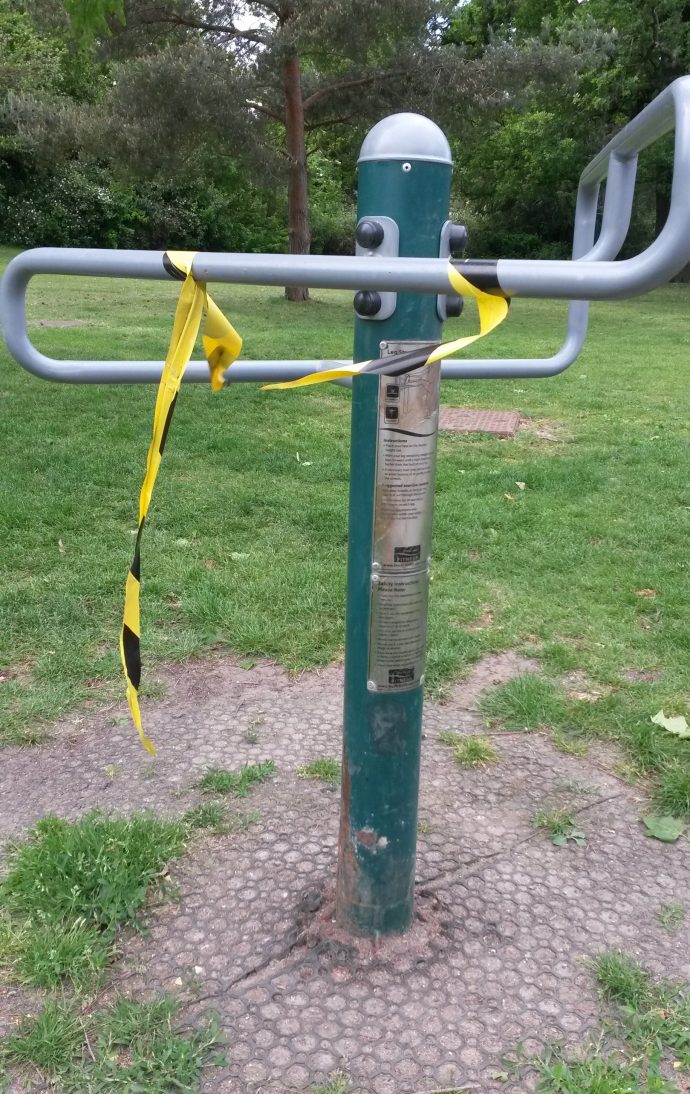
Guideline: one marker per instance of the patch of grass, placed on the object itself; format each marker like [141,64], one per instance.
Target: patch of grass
[131,1046]
[650,748]
[672,796]
[577,788]
[337,1083]
[69,887]
[621,980]
[569,743]
[560,825]
[598,1075]
[49,1043]
[654,1015]
[51,951]
[527,702]
[251,734]
[650,1020]
[469,751]
[214,817]
[218,780]
[533,702]
[326,769]
[209,816]
[671,915]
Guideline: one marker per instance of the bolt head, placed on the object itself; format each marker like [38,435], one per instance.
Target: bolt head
[369,234]
[367,303]
[454,306]
[457,238]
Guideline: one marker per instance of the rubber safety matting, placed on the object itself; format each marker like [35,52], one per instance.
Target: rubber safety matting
[502,423]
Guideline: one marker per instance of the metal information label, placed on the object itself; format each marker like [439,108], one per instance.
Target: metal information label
[397,638]
[404,502]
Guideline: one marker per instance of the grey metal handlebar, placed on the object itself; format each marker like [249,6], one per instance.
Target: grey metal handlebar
[591,274]
[589,278]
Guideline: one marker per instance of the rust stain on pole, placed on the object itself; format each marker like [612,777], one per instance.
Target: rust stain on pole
[346,883]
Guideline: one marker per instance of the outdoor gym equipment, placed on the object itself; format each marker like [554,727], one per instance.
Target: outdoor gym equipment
[407,283]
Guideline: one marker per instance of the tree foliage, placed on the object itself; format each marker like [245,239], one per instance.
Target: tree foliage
[261,105]
[28,62]
[629,51]
[92,17]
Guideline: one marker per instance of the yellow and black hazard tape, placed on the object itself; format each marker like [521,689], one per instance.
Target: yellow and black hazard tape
[492,309]
[222,345]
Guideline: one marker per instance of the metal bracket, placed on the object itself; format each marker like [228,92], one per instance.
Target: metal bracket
[389,247]
[444,252]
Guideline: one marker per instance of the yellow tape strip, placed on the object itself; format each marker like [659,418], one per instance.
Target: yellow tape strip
[222,345]
[492,311]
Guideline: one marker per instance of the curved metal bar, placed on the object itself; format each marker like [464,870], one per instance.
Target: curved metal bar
[259,269]
[615,222]
[664,258]
[590,275]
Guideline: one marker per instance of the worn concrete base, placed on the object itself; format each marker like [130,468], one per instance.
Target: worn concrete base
[505,920]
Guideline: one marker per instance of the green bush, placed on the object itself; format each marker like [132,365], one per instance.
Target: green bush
[68,208]
[333,218]
[487,242]
[83,206]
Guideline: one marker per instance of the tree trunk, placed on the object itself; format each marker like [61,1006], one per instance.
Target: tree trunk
[299,235]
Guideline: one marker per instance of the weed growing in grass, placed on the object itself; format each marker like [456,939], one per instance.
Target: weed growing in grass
[621,980]
[598,1075]
[209,816]
[532,702]
[560,825]
[672,796]
[671,915]
[214,817]
[70,886]
[654,1015]
[130,1046]
[48,1043]
[469,751]
[569,743]
[251,734]
[650,1018]
[577,788]
[325,769]
[527,702]
[217,780]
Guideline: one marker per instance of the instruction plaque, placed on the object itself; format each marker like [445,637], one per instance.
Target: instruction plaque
[407,432]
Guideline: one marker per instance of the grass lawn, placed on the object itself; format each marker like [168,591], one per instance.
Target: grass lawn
[586,567]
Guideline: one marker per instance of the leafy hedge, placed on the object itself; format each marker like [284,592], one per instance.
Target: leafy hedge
[78,206]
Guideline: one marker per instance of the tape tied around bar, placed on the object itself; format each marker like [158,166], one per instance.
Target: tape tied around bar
[492,311]
[222,345]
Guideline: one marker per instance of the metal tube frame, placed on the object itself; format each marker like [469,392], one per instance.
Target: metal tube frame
[592,273]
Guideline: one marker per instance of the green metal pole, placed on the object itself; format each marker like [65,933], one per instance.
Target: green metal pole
[404,175]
